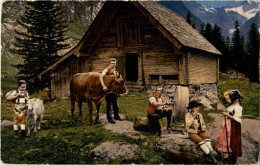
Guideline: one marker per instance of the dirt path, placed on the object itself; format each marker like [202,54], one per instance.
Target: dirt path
[250,138]
[121,127]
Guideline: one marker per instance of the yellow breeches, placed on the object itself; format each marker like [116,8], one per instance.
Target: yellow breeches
[22,121]
[198,137]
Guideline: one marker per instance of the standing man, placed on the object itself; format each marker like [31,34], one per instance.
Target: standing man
[112,97]
[156,110]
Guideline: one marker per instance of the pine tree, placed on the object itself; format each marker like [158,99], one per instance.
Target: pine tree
[188,17]
[228,43]
[253,53]
[217,39]
[208,32]
[193,25]
[238,51]
[202,29]
[39,39]
[227,56]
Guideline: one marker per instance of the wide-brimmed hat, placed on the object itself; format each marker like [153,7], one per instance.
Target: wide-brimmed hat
[193,104]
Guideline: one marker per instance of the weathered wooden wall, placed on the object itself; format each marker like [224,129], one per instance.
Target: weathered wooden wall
[62,75]
[155,53]
[158,54]
[202,68]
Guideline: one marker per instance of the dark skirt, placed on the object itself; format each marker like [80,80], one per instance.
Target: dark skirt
[235,140]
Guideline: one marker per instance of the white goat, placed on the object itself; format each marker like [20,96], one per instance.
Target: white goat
[34,113]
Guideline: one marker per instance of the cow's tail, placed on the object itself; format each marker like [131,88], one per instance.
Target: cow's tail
[71,85]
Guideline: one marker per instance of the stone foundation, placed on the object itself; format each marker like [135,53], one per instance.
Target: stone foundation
[194,90]
[207,91]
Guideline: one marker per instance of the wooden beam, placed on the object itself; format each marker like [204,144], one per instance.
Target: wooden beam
[115,9]
[79,54]
[119,33]
[217,69]
[127,16]
[158,25]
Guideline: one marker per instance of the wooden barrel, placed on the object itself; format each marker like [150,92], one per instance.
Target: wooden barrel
[181,99]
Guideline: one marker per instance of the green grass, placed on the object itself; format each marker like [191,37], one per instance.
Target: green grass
[8,73]
[250,103]
[62,140]
[76,31]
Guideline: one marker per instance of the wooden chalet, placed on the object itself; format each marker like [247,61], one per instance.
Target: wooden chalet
[152,45]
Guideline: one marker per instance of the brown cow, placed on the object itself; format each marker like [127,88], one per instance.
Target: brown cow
[86,87]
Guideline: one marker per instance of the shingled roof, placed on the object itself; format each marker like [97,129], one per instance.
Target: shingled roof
[178,27]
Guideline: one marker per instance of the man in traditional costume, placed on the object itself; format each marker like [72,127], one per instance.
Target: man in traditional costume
[156,110]
[112,97]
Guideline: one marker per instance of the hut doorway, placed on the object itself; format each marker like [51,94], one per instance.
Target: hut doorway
[131,67]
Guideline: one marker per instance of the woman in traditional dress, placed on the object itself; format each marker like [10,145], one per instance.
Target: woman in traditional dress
[229,138]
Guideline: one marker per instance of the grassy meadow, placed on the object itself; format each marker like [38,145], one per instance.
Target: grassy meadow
[250,101]
[63,141]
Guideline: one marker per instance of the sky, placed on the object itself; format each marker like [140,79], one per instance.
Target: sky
[219,4]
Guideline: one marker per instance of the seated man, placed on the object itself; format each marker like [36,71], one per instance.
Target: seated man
[156,110]
[196,128]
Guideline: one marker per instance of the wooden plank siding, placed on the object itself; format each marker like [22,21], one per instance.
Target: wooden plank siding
[202,68]
[62,75]
[155,52]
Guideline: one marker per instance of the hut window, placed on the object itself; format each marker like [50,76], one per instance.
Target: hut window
[170,79]
[163,79]
[154,79]
[130,32]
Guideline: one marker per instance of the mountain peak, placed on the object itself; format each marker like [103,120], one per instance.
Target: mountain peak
[247,9]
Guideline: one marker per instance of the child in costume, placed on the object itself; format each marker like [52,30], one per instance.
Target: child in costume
[20,97]
[196,128]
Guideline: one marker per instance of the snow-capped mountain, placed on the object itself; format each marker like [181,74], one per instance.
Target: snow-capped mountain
[205,9]
[224,17]
[181,9]
[247,9]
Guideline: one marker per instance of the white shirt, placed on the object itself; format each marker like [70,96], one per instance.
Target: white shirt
[20,100]
[238,111]
[152,99]
[105,71]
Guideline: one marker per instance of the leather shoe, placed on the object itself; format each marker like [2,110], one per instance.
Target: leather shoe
[118,118]
[111,121]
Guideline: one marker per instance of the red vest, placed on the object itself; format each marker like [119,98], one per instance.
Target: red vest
[151,109]
[109,71]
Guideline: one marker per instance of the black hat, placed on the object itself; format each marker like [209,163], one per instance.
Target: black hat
[193,103]
[20,82]
[234,95]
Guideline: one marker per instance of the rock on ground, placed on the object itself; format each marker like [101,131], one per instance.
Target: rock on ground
[121,127]
[6,123]
[178,148]
[118,150]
